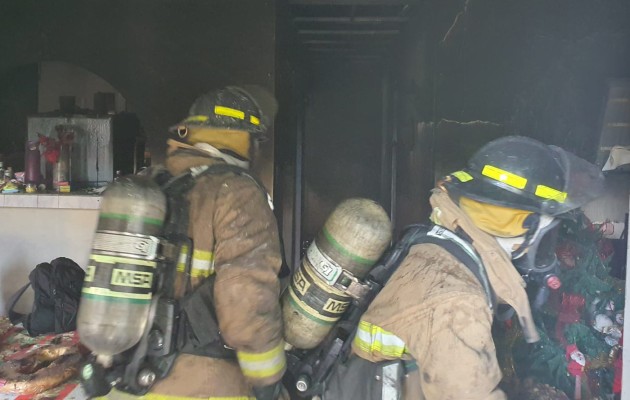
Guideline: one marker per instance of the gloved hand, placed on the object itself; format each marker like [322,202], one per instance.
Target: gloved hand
[269,392]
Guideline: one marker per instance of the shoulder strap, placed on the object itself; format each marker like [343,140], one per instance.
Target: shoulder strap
[181,184]
[454,244]
[464,252]
[14,316]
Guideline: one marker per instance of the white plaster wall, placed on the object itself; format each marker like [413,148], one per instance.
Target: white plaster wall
[29,236]
[64,79]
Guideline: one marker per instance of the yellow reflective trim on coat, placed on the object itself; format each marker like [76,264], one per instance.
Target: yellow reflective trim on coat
[547,192]
[462,176]
[201,273]
[202,263]
[504,176]
[229,112]
[254,120]
[181,261]
[374,339]
[262,365]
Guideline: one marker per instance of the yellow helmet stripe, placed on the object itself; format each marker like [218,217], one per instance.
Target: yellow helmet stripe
[197,118]
[504,176]
[550,193]
[462,176]
[254,120]
[229,112]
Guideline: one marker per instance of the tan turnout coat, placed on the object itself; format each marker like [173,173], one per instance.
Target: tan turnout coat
[235,236]
[434,310]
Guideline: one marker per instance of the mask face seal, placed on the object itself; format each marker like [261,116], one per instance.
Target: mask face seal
[537,254]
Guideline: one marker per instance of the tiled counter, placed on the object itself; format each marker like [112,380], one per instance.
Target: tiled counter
[37,228]
[21,200]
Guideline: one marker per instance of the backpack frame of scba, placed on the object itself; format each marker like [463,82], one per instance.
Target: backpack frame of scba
[185,325]
[326,371]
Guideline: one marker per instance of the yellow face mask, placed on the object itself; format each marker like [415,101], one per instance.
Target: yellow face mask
[222,139]
[495,220]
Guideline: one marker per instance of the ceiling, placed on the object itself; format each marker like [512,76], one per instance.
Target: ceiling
[359,29]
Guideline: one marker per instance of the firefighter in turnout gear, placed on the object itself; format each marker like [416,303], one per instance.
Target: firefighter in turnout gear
[429,328]
[235,242]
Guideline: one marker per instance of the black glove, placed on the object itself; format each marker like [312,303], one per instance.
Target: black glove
[269,392]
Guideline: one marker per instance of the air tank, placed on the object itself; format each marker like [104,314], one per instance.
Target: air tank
[353,238]
[119,279]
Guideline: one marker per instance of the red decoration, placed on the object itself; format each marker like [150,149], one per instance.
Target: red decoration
[576,366]
[569,313]
[605,249]
[52,146]
[567,254]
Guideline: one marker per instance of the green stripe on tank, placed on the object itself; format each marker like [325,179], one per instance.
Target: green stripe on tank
[345,252]
[307,314]
[127,217]
[109,299]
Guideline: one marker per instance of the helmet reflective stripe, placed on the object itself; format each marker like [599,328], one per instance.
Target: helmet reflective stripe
[550,193]
[462,176]
[519,182]
[234,113]
[229,112]
[197,118]
[504,176]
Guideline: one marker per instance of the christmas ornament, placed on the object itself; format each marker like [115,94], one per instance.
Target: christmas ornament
[577,363]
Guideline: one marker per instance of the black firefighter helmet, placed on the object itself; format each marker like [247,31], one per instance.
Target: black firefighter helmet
[523,173]
[245,108]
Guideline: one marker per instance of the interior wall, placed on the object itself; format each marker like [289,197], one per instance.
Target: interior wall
[343,134]
[63,79]
[526,67]
[18,99]
[541,69]
[31,236]
[159,54]
[289,93]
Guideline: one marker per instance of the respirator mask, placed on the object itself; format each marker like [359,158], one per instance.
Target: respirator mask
[534,256]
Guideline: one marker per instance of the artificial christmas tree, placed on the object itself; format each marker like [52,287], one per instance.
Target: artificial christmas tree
[580,325]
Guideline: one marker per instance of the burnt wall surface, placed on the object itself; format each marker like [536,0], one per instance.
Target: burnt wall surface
[159,54]
[541,68]
[534,68]
[342,142]
[18,99]
[290,99]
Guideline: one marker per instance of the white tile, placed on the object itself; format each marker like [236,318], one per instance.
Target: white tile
[47,201]
[81,202]
[20,200]
[1,200]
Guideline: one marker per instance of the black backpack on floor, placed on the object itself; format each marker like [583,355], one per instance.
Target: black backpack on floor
[57,286]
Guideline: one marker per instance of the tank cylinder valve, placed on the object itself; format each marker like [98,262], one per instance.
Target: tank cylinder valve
[303,382]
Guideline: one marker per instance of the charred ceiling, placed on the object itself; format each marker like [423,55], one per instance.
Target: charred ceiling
[357,29]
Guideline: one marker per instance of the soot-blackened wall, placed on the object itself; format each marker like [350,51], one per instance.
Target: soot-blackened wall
[159,54]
